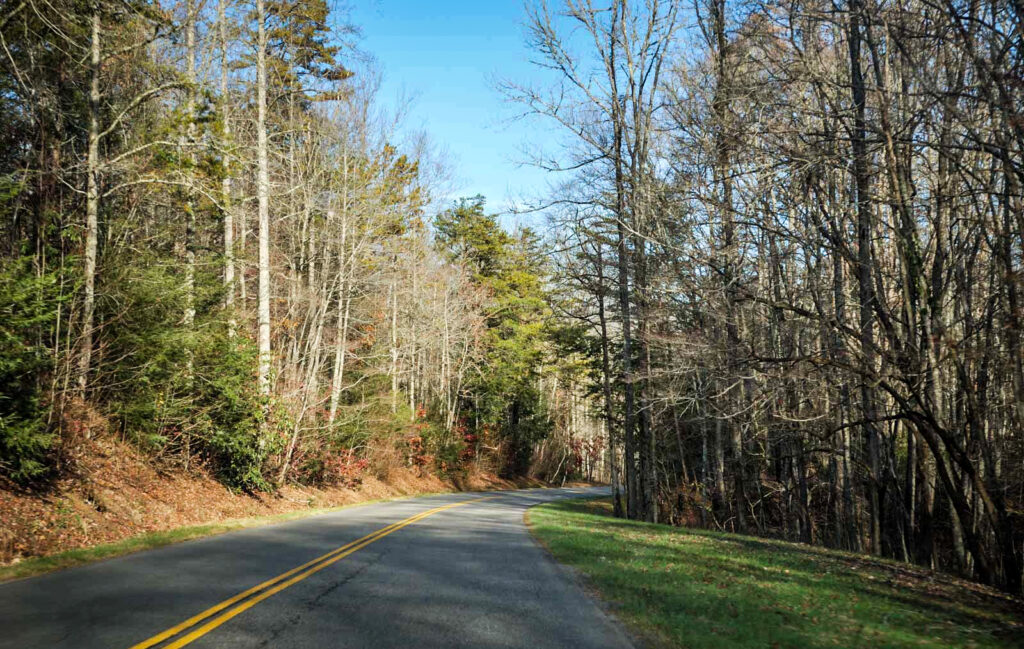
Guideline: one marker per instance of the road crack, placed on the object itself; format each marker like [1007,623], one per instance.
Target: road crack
[316,602]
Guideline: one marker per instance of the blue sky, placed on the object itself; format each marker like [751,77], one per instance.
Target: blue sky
[445,55]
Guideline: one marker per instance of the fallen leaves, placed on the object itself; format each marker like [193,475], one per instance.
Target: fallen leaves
[117,493]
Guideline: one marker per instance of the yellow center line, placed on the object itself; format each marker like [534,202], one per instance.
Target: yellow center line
[282,581]
[237,598]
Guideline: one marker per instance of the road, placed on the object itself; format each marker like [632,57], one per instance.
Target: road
[457,570]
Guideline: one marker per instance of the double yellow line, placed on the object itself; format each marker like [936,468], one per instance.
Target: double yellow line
[253,596]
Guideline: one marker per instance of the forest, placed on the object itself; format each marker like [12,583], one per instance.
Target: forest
[216,239]
[778,290]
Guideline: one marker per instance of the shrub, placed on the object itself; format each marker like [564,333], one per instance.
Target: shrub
[28,314]
[189,393]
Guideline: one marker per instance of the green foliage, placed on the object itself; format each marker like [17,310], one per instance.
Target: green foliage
[302,45]
[505,396]
[190,392]
[28,314]
[150,352]
[229,411]
[444,450]
[470,235]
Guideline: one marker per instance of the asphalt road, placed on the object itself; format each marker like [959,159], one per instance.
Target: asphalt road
[469,575]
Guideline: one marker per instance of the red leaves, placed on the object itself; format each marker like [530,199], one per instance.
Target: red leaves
[418,456]
[325,467]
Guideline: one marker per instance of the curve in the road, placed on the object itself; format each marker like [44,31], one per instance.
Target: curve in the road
[459,570]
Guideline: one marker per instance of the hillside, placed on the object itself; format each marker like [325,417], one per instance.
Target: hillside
[117,498]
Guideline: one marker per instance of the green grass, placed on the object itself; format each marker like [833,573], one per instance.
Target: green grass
[700,589]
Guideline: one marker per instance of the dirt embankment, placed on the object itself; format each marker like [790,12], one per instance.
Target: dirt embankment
[116,493]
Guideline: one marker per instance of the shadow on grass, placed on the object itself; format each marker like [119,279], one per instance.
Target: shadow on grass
[700,588]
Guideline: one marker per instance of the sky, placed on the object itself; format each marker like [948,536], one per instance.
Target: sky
[445,55]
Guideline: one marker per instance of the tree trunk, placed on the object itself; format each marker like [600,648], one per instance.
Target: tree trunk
[865,287]
[225,197]
[341,344]
[720,106]
[92,206]
[606,385]
[263,200]
[625,308]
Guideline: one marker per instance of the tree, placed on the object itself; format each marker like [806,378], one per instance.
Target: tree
[504,396]
[806,160]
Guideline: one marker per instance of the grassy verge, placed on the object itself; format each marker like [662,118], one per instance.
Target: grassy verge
[701,590]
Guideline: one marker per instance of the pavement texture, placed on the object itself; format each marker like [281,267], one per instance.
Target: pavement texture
[466,576]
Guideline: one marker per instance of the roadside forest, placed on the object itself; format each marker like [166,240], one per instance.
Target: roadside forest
[795,231]
[781,291]
[218,243]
